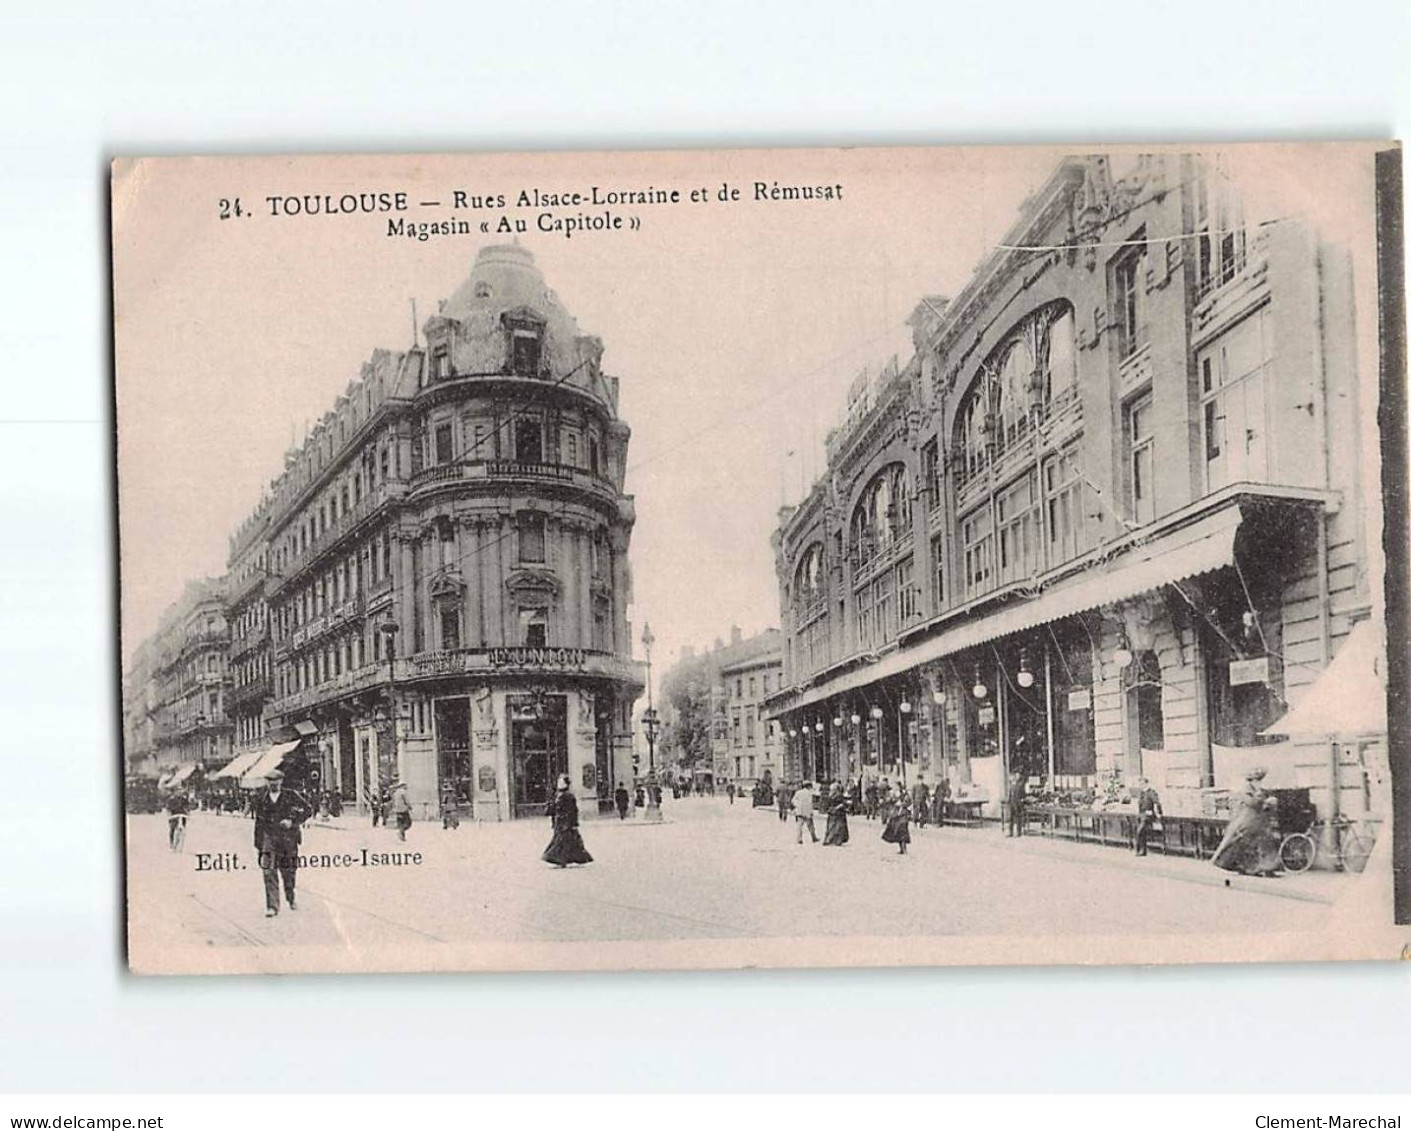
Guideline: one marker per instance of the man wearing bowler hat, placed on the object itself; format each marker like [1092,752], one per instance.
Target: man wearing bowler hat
[278,814]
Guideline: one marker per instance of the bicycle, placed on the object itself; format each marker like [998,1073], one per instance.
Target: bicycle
[1351,846]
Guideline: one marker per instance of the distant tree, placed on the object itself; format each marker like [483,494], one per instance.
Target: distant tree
[687,689]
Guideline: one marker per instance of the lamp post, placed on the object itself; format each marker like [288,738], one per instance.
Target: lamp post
[651,724]
[389,630]
[903,714]
[876,715]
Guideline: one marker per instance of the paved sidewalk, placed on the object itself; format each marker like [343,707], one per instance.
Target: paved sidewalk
[1316,886]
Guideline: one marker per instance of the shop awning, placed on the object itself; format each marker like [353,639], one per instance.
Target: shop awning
[177,776]
[237,766]
[1195,549]
[1348,697]
[254,777]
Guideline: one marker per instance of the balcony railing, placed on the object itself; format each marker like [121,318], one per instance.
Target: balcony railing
[871,558]
[471,471]
[1135,370]
[359,679]
[1051,425]
[342,613]
[252,640]
[199,638]
[243,589]
[1226,298]
[256,689]
[805,612]
[354,516]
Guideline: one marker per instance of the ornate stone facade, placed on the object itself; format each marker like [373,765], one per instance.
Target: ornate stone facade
[1098,524]
[444,563]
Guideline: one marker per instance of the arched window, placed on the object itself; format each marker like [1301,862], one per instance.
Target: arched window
[883,514]
[881,495]
[1146,725]
[1034,368]
[808,580]
[971,439]
[1015,375]
[810,600]
[901,500]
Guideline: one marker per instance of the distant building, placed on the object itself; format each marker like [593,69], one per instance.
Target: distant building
[743,746]
[175,689]
[251,649]
[1106,522]
[750,750]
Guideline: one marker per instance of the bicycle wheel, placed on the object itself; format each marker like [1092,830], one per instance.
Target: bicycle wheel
[1354,850]
[1297,852]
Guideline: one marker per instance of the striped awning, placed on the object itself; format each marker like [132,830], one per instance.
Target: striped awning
[175,777]
[1198,548]
[237,766]
[254,777]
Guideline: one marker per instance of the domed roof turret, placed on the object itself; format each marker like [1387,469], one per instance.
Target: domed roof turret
[506,281]
[505,277]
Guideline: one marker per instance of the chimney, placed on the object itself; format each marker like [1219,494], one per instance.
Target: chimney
[735,636]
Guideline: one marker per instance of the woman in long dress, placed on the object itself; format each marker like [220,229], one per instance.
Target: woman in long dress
[567,845]
[1250,845]
[898,828]
[837,830]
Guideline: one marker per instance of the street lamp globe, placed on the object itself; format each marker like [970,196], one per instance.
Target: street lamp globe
[856,719]
[876,712]
[905,707]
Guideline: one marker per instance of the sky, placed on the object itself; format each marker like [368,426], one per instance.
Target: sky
[735,329]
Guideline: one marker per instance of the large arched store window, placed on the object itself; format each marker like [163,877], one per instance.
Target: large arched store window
[1032,372]
[1146,721]
[810,610]
[883,514]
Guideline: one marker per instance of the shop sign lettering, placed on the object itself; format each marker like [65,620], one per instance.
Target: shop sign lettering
[536,657]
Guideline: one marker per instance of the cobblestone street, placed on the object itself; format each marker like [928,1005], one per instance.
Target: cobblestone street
[712,871]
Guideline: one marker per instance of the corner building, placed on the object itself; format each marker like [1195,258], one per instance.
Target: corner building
[1106,522]
[448,563]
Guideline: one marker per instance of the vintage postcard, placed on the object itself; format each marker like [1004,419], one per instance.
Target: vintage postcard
[755,558]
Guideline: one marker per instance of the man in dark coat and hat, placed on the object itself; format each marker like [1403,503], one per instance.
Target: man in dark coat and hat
[278,814]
